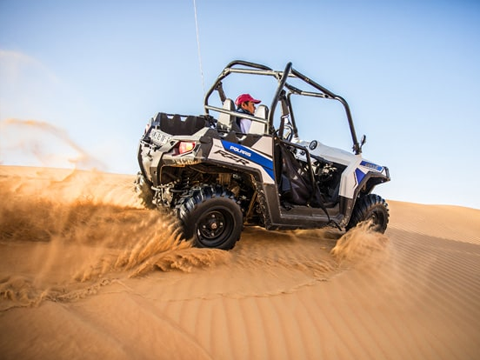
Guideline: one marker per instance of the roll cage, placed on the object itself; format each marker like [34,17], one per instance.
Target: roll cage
[282,95]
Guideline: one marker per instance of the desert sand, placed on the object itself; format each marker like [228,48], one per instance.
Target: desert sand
[87,273]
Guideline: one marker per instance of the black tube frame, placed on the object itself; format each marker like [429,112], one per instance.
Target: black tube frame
[246,67]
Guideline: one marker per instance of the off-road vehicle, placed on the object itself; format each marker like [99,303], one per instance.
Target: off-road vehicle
[218,180]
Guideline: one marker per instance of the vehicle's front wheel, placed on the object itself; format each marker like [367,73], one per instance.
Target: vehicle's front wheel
[212,217]
[370,207]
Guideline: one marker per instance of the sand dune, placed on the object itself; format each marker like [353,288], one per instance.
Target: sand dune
[86,273]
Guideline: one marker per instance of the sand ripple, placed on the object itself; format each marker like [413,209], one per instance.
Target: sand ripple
[85,272]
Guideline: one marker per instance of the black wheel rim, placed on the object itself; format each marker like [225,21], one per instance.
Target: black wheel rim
[214,227]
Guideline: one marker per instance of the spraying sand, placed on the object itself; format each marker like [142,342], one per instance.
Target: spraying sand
[87,273]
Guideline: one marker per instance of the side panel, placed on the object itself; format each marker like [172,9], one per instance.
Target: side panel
[349,181]
[241,156]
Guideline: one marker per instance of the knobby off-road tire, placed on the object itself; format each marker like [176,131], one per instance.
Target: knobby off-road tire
[212,217]
[143,191]
[370,207]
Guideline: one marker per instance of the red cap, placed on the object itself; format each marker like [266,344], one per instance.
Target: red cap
[246,97]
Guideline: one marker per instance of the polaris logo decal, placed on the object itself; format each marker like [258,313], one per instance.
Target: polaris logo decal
[248,154]
[240,151]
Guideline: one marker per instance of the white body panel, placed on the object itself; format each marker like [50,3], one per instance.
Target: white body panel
[239,157]
[357,167]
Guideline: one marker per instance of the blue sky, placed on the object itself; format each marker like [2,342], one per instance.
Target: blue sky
[79,79]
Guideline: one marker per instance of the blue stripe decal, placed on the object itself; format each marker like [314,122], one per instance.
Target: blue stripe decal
[269,172]
[360,175]
[251,155]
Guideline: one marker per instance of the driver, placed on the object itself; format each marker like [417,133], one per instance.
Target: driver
[246,105]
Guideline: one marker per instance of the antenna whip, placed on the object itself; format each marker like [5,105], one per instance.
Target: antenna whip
[198,45]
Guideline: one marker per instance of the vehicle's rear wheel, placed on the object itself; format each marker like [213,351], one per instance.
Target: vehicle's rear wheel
[144,192]
[370,207]
[212,217]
